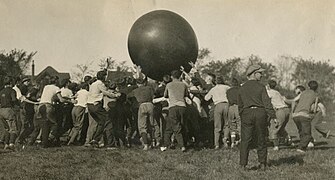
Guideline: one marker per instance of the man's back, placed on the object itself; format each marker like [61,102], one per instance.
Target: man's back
[232,95]
[144,94]
[7,97]
[307,98]
[251,94]
[176,92]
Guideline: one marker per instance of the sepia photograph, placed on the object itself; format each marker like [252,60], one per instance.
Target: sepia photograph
[167,89]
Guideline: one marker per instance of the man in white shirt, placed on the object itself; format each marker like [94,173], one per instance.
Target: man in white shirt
[47,111]
[78,113]
[66,108]
[95,106]
[277,126]
[219,97]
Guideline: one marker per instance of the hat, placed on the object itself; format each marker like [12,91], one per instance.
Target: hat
[254,68]
[25,79]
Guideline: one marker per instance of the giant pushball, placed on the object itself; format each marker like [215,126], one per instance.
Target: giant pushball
[161,41]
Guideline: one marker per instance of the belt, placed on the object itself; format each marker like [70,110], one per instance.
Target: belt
[46,103]
[146,102]
[280,108]
[254,107]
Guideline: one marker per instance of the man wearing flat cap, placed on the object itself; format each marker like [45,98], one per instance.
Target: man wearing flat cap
[255,110]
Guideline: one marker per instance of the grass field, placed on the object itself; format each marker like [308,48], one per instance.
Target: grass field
[87,163]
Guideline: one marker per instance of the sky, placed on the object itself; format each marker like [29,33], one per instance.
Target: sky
[69,32]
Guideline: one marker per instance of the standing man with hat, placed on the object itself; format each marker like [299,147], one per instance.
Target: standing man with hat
[255,108]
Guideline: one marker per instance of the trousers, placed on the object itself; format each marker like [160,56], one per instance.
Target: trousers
[277,130]
[220,122]
[253,132]
[175,123]
[305,130]
[99,114]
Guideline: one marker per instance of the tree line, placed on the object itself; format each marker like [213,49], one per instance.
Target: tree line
[287,70]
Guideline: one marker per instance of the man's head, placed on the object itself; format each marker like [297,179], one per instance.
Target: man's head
[210,78]
[25,81]
[87,79]
[272,84]
[166,79]
[313,85]
[176,74]
[141,82]
[83,85]
[234,82]
[299,89]
[195,81]
[53,80]
[101,75]
[255,72]
[65,83]
[219,80]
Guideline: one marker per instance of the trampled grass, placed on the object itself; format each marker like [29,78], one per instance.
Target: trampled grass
[86,163]
[89,163]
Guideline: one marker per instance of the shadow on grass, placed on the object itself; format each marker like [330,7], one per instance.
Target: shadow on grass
[324,147]
[295,159]
[321,143]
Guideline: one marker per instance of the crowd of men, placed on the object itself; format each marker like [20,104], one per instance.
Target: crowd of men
[182,110]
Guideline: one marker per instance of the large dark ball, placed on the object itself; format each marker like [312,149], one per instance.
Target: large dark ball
[161,41]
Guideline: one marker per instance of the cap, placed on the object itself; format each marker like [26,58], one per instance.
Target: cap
[25,79]
[254,68]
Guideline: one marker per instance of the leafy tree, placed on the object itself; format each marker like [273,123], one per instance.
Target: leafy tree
[320,71]
[270,69]
[285,68]
[14,63]
[229,69]
[112,64]
[81,70]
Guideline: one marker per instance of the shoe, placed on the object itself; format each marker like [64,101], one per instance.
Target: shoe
[11,146]
[87,145]
[183,149]
[217,147]
[310,145]
[163,148]
[146,147]
[101,145]
[276,148]
[94,143]
[300,151]
[158,144]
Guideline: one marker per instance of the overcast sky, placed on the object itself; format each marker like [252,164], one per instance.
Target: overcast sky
[70,32]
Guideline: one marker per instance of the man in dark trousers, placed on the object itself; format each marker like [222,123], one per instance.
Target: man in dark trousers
[255,109]
[175,91]
[7,114]
[304,113]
